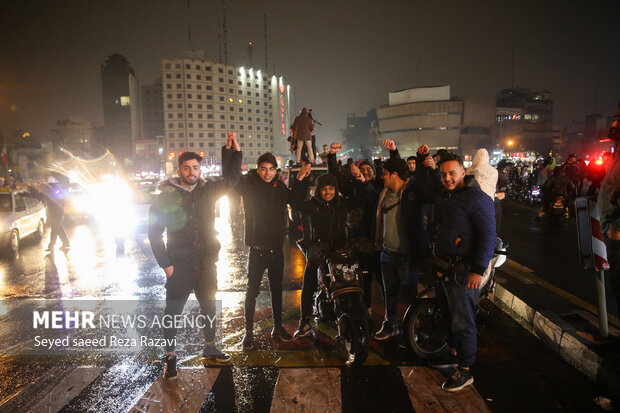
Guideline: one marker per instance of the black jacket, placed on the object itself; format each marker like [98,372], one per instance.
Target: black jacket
[189,216]
[328,219]
[369,197]
[265,210]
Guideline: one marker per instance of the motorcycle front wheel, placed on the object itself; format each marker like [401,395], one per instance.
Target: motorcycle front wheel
[355,341]
[426,327]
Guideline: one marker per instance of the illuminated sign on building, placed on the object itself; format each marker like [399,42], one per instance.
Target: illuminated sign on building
[282,89]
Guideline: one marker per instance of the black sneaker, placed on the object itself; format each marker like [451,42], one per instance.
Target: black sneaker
[248,340]
[447,361]
[304,328]
[459,380]
[211,353]
[387,330]
[281,334]
[170,372]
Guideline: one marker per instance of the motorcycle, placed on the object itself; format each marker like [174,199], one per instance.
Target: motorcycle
[427,321]
[340,299]
[556,210]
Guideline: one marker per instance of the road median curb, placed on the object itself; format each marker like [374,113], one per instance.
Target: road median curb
[560,336]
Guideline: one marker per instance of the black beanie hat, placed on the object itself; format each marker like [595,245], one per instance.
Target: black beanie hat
[369,164]
[326,180]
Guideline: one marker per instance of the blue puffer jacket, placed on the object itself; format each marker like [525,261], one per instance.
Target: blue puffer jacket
[465,220]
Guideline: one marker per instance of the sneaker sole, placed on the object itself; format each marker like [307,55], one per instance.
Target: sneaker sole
[383,338]
[461,387]
[301,335]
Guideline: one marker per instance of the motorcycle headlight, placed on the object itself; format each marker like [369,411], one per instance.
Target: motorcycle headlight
[348,275]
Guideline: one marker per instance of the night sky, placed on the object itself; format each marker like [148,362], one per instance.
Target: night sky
[338,56]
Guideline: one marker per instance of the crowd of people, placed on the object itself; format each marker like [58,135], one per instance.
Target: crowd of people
[401,213]
[400,206]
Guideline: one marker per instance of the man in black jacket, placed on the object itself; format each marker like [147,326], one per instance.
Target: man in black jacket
[365,231]
[186,208]
[265,198]
[328,214]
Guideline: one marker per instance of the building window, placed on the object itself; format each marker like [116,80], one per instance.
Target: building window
[201,135]
[169,95]
[208,68]
[171,145]
[178,86]
[201,144]
[171,126]
[179,96]
[210,107]
[210,135]
[220,79]
[211,144]
[191,144]
[210,125]
[179,106]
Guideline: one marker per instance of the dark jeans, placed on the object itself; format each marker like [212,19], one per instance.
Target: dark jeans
[462,305]
[613,256]
[370,263]
[308,287]
[199,276]
[399,274]
[258,262]
[57,230]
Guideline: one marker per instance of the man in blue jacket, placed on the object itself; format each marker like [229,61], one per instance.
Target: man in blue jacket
[465,236]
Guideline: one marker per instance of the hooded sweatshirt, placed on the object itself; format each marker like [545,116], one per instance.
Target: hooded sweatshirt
[485,174]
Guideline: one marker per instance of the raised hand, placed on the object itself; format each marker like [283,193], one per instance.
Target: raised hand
[429,162]
[355,171]
[304,172]
[231,141]
[335,148]
[423,149]
[389,144]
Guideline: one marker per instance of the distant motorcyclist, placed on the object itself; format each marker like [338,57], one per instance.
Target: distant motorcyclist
[558,185]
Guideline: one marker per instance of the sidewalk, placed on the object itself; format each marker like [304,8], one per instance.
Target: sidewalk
[563,322]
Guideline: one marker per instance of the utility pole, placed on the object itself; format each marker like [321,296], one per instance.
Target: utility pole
[266,54]
[189,25]
[225,30]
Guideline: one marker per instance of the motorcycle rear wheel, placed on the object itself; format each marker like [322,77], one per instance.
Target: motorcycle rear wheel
[356,341]
[426,327]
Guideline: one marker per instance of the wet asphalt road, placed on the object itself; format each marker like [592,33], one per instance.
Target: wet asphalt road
[514,372]
[551,251]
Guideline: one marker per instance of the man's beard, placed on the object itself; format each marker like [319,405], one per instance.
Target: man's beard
[186,182]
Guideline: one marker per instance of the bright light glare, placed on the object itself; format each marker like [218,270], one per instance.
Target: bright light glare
[112,207]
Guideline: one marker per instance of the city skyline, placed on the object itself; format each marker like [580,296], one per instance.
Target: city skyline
[338,58]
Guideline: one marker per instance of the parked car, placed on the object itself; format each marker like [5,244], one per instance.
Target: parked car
[21,215]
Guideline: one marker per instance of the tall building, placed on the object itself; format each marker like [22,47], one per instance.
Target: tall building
[524,120]
[203,100]
[122,112]
[153,110]
[420,116]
